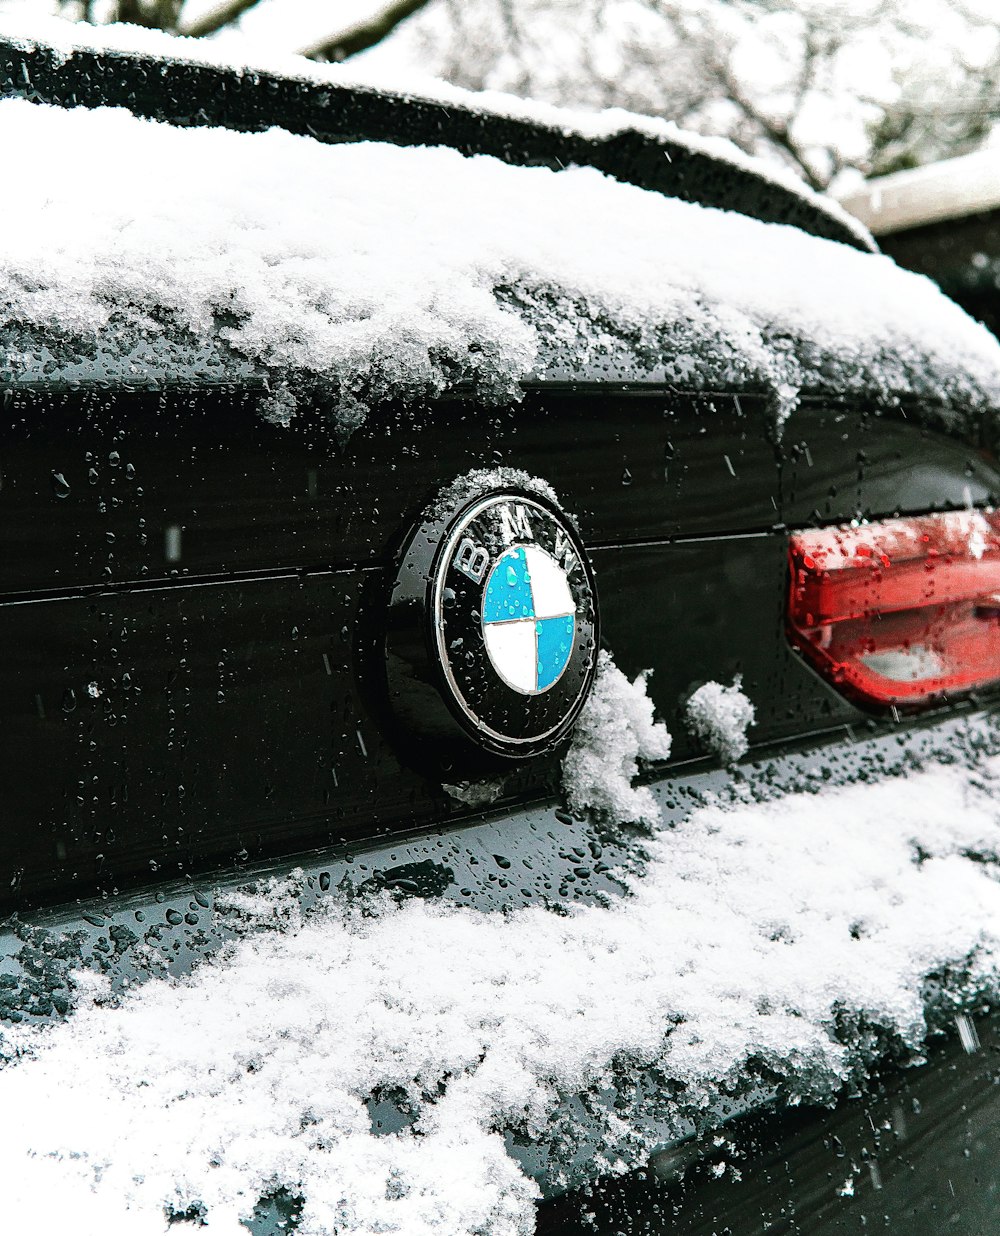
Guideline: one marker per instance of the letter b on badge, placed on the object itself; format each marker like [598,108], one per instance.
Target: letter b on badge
[471,559]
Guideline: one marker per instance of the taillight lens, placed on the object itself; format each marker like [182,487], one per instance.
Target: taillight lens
[899,612]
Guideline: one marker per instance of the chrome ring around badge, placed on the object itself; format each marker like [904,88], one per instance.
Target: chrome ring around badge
[515,621]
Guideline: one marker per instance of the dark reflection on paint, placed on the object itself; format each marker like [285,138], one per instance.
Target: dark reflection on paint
[916,1156]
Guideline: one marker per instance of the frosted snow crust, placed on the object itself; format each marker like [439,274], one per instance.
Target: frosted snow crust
[615,730]
[367,271]
[796,935]
[481,481]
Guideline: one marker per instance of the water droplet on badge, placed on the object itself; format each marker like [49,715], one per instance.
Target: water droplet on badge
[511,577]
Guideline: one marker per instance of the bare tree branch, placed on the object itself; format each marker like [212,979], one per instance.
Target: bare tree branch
[716,59]
[222,15]
[130,12]
[365,34]
[776,131]
[157,15]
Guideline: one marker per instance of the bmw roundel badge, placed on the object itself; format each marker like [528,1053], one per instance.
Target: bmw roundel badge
[493,625]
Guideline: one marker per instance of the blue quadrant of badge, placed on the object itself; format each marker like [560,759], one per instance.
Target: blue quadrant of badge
[555,643]
[528,624]
[508,590]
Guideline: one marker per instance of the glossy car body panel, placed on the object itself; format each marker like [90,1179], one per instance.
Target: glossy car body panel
[193,599]
[916,1154]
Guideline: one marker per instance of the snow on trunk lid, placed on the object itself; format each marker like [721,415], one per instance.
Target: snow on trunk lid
[379,272]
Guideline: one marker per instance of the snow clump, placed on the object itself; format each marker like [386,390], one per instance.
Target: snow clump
[615,731]
[720,716]
[481,481]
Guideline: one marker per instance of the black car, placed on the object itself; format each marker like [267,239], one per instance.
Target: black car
[361,454]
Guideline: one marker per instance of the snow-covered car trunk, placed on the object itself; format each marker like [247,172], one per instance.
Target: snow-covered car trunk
[236,392]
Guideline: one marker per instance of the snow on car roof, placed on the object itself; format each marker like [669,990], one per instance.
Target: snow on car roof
[62,38]
[371,270]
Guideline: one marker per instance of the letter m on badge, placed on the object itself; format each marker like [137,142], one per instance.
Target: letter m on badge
[515,524]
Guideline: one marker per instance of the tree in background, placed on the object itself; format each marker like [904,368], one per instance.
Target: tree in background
[176,17]
[822,85]
[827,87]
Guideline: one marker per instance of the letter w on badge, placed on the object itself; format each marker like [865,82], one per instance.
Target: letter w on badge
[565,553]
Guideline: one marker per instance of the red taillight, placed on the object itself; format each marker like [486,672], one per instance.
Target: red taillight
[900,611]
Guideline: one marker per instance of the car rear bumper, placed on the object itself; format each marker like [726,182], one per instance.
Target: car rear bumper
[916,1153]
[538,854]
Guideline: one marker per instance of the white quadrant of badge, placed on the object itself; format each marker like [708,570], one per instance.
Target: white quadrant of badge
[529,619]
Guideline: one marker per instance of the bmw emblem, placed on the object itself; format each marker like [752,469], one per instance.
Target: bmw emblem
[493,625]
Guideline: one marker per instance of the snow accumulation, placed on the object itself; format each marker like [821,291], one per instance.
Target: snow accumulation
[720,716]
[614,732]
[481,481]
[798,937]
[367,270]
[62,38]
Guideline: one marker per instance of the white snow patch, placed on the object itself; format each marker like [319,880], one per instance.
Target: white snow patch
[615,731]
[62,38]
[720,716]
[368,270]
[793,932]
